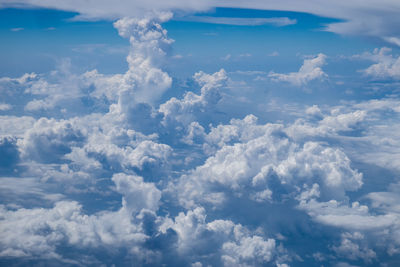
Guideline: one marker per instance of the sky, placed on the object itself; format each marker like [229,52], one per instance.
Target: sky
[199,133]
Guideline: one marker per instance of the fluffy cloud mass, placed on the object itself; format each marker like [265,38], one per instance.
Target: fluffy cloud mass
[386,65]
[310,70]
[97,169]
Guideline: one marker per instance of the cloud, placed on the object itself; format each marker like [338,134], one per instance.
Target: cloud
[38,232]
[278,21]
[227,57]
[149,44]
[15,193]
[393,40]
[386,65]
[5,107]
[137,194]
[246,157]
[16,29]
[143,82]
[350,248]
[310,70]
[351,217]
[344,121]
[233,243]
[122,178]
[15,125]
[103,9]
[184,110]
[250,251]
[49,140]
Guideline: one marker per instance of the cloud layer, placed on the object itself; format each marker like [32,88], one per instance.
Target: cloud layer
[99,169]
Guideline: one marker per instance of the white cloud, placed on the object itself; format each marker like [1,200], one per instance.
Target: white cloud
[144,82]
[24,78]
[310,70]
[378,143]
[15,126]
[49,140]
[16,29]
[278,21]
[248,155]
[166,163]
[5,107]
[17,191]
[248,251]
[235,245]
[38,232]
[354,217]
[185,110]
[351,249]
[393,40]
[386,65]
[137,194]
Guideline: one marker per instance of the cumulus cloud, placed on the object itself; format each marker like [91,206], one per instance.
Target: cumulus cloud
[58,88]
[248,157]
[342,122]
[386,65]
[4,107]
[234,244]
[49,140]
[149,44]
[310,70]
[15,125]
[38,232]
[67,92]
[137,194]
[185,110]
[350,248]
[129,180]
[249,252]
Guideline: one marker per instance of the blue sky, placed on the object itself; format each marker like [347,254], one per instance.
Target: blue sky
[185,133]
[53,35]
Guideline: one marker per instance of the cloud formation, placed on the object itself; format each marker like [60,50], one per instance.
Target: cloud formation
[278,21]
[310,70]
[386,65]
[109,173]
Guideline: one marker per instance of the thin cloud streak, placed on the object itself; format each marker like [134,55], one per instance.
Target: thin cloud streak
[276,21]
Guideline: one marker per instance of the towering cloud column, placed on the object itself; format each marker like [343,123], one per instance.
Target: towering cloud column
[144,82]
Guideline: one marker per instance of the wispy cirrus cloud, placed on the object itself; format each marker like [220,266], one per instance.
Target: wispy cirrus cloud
[275,21]
[16,29]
